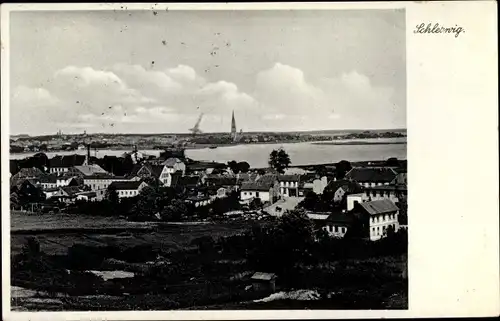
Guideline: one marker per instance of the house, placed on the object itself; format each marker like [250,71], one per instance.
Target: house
[147,170]
[68,181]
[318,219]
[50,192]
[312,184]
[265,282]
[376,218]
[395,193]
[342,188]
[31,172]
[87,196]
[102,181]
[186,184]
[289,185]
[68,194]
[371,176]
[266,188]
[128,188]
[87,170]
[338,223]
[198,201]
[230,183]
[198,167]
[174,164]
[48,181]
[62,164]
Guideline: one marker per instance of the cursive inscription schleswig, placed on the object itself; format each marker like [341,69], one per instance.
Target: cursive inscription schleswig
[436,28]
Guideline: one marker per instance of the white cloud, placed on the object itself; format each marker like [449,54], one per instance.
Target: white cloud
[283,99]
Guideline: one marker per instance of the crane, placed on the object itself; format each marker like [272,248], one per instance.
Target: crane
[196,128]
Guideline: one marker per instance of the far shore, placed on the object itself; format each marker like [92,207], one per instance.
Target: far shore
[358,143]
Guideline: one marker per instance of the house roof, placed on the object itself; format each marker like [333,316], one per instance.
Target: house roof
[371,174]
[340,218]
[28,173]
[392,187]
[256,186]
[103,176]
[48,179]
[170,162]
[197,198]
[53,189]
[154,170]
[289,178]
[318,216]
[88,170]
[71,190]
[243,177]
[221,181]
[267,179]
[88,194]
[262,276]
[350,187]
[379,206]
[126,185]
[204,165]
[67,160]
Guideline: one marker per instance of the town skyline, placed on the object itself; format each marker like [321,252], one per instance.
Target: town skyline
[356,80]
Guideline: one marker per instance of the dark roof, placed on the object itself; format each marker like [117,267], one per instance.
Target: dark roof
[204,165]
[67,160]
[267,179]
[340,218]
[371,174]
[103,176]
[289,178]
[392,187]
[28,173]
[71,190]
[221,181]
[379,206]
[154,170]
[348,186]
[126,185]
[197,198]
[188,180]
[256,186]
[48,179]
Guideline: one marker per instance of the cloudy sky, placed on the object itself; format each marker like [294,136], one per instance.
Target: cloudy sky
[141,72]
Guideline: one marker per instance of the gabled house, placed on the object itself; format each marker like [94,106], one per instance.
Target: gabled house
[31,172]
[266,188]
[48,181]
[342,188]
[62,164]
[371,176]
[376,218]
[128,188]
[174,164]
[68,194]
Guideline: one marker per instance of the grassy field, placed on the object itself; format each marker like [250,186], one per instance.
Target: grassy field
[53,240]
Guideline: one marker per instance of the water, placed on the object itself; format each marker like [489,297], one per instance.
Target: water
[257,154]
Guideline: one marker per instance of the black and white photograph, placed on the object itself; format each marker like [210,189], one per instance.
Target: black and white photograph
[195,159]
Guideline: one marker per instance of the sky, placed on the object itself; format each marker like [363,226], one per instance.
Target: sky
[157,71]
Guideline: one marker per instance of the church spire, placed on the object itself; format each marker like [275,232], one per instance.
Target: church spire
[233,127]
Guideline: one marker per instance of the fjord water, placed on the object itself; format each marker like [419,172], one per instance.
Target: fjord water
[256,155]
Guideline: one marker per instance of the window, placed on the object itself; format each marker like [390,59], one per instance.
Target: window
[343,230]
[256,194]
[336,229]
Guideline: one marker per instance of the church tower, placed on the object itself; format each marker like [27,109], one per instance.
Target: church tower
[233,127]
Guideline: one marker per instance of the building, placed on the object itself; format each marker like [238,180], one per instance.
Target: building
[233,128]
[31,172]
[198,168]
[198,201]
[342,188]
[371,176]
[376,218]
[68,194]
[265,282]
[62,164]
[217,181]
[337,224]
[48,181]
[316,185]
[50,192]
[67,181]
[289,185]
[87,196]
[128,188]
[87,170]
[101,182]
[395,193]
[353,199]
[147,170]
[266,188]
[173,165]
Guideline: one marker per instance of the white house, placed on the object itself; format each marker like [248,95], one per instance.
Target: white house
[355,198]
[289,185]
[378,217]
[102,182]
[198,201]
[173,165]
[129,188]
[267,191]
[86,196]
[50,192]
[337,224]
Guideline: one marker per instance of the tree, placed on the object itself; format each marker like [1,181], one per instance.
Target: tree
[175,211]
[112,195]
[243,167]
[392,162]
[342,168]
[233,165]
[279,160]
[310,201]
[255,204]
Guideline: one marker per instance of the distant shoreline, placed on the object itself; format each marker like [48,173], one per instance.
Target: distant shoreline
[358,143]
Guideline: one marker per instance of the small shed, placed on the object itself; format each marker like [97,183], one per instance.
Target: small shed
[264,281]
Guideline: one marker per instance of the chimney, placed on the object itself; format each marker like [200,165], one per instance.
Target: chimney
[88,154]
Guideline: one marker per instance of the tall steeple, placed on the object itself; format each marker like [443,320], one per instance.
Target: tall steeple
[233,127]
